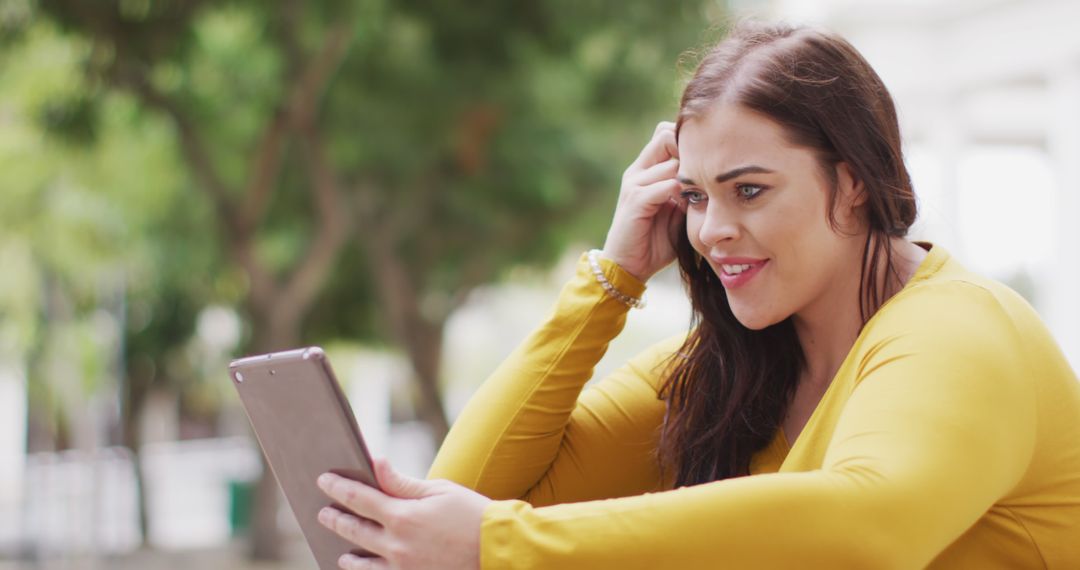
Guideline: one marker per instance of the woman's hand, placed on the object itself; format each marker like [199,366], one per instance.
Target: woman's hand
[641,234]
[414,524]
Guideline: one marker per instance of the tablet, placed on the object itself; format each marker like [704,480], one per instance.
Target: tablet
[305,427]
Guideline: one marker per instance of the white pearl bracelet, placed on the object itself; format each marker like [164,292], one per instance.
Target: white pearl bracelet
[594,264]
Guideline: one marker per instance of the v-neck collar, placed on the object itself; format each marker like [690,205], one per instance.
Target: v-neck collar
[936,256]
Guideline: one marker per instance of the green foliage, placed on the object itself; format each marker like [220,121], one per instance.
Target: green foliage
[481,135]
[73,119]
[15,16]
[496,130]
[94,202]
[464,138]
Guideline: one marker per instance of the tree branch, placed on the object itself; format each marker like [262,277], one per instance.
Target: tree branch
[364,205]
[477,271]
[304,100]
[397,296]
[264,170]
[299,111]
[235,226]
[288,13]
[191,144]
[306,279]
[239,224]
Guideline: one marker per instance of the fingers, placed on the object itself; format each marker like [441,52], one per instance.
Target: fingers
[656,194]
[364,533]
[672,219]
[663,126]
[354,562]
[670,144]
[679,204]
[661,147]
[399,485]
[356,496]
[658,172]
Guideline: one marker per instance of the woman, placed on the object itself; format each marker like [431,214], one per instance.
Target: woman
[847,398]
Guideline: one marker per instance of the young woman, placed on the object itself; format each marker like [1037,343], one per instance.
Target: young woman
[847,398]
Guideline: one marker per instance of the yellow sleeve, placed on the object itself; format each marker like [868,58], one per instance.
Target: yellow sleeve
[939,427]
[525,434]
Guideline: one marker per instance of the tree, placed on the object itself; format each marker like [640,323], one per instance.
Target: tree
[449,141]
[105,270]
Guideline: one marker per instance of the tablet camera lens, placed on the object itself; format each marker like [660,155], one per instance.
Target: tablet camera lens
[273,372]
[239,377]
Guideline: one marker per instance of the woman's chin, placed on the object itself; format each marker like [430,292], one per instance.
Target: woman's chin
[753,319]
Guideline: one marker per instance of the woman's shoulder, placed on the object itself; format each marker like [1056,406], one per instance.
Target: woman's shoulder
[950,311]
[945,297]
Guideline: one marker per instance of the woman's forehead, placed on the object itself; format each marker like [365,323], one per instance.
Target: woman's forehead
[732,136]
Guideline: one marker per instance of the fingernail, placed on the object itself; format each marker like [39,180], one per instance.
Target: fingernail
[325,479]
[326,515]
[348,559]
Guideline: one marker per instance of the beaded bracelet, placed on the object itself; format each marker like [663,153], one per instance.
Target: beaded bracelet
[594,263]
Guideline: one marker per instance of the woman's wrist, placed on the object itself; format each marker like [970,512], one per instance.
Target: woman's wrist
[630,294]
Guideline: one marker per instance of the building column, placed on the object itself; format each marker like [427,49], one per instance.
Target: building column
[12,451]
[947,139]
[1063,142]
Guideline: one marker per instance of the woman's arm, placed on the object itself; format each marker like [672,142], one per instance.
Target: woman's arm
[509,435]
[551,447]
[609,446]
[940,427]
[526,434]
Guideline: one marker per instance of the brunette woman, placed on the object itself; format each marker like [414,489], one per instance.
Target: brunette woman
[846,399]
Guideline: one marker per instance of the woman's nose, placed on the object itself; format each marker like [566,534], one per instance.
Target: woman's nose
[719,226]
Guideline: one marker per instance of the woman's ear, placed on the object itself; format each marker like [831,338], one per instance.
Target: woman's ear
[852,191]
[850,197]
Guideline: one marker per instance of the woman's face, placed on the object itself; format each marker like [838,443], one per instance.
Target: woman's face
[757,212]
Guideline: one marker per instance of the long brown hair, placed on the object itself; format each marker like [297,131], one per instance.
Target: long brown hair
[729,393]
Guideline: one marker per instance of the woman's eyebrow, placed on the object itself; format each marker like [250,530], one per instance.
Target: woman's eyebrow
[750,169]
[721,178]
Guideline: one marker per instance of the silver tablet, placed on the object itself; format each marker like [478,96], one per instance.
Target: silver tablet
[305,427]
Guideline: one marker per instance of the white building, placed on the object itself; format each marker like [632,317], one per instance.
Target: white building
[988,93]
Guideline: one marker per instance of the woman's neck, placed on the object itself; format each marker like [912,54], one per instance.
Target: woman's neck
[827,334]
[829,327]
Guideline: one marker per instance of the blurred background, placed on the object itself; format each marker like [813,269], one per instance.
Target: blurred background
[406,183]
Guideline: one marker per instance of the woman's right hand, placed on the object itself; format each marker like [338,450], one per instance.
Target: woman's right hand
[641,233]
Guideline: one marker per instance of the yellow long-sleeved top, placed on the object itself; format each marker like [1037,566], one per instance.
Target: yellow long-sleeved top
[949,438]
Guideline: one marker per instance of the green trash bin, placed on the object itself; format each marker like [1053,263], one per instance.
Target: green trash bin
[241,496]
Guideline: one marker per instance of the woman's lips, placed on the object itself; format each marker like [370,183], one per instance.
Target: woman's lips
[735,272]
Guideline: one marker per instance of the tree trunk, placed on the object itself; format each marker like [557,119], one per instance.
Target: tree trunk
[41,427]
[266,545]
[134,403]
[265,534]
[419,335]
[424,347]
[277,304]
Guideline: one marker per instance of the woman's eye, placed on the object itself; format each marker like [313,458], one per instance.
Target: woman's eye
[748,191]
[692,197]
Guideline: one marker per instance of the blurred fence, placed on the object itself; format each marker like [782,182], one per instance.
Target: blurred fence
[79,504]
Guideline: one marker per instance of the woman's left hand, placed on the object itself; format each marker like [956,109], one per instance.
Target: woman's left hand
[412,524]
